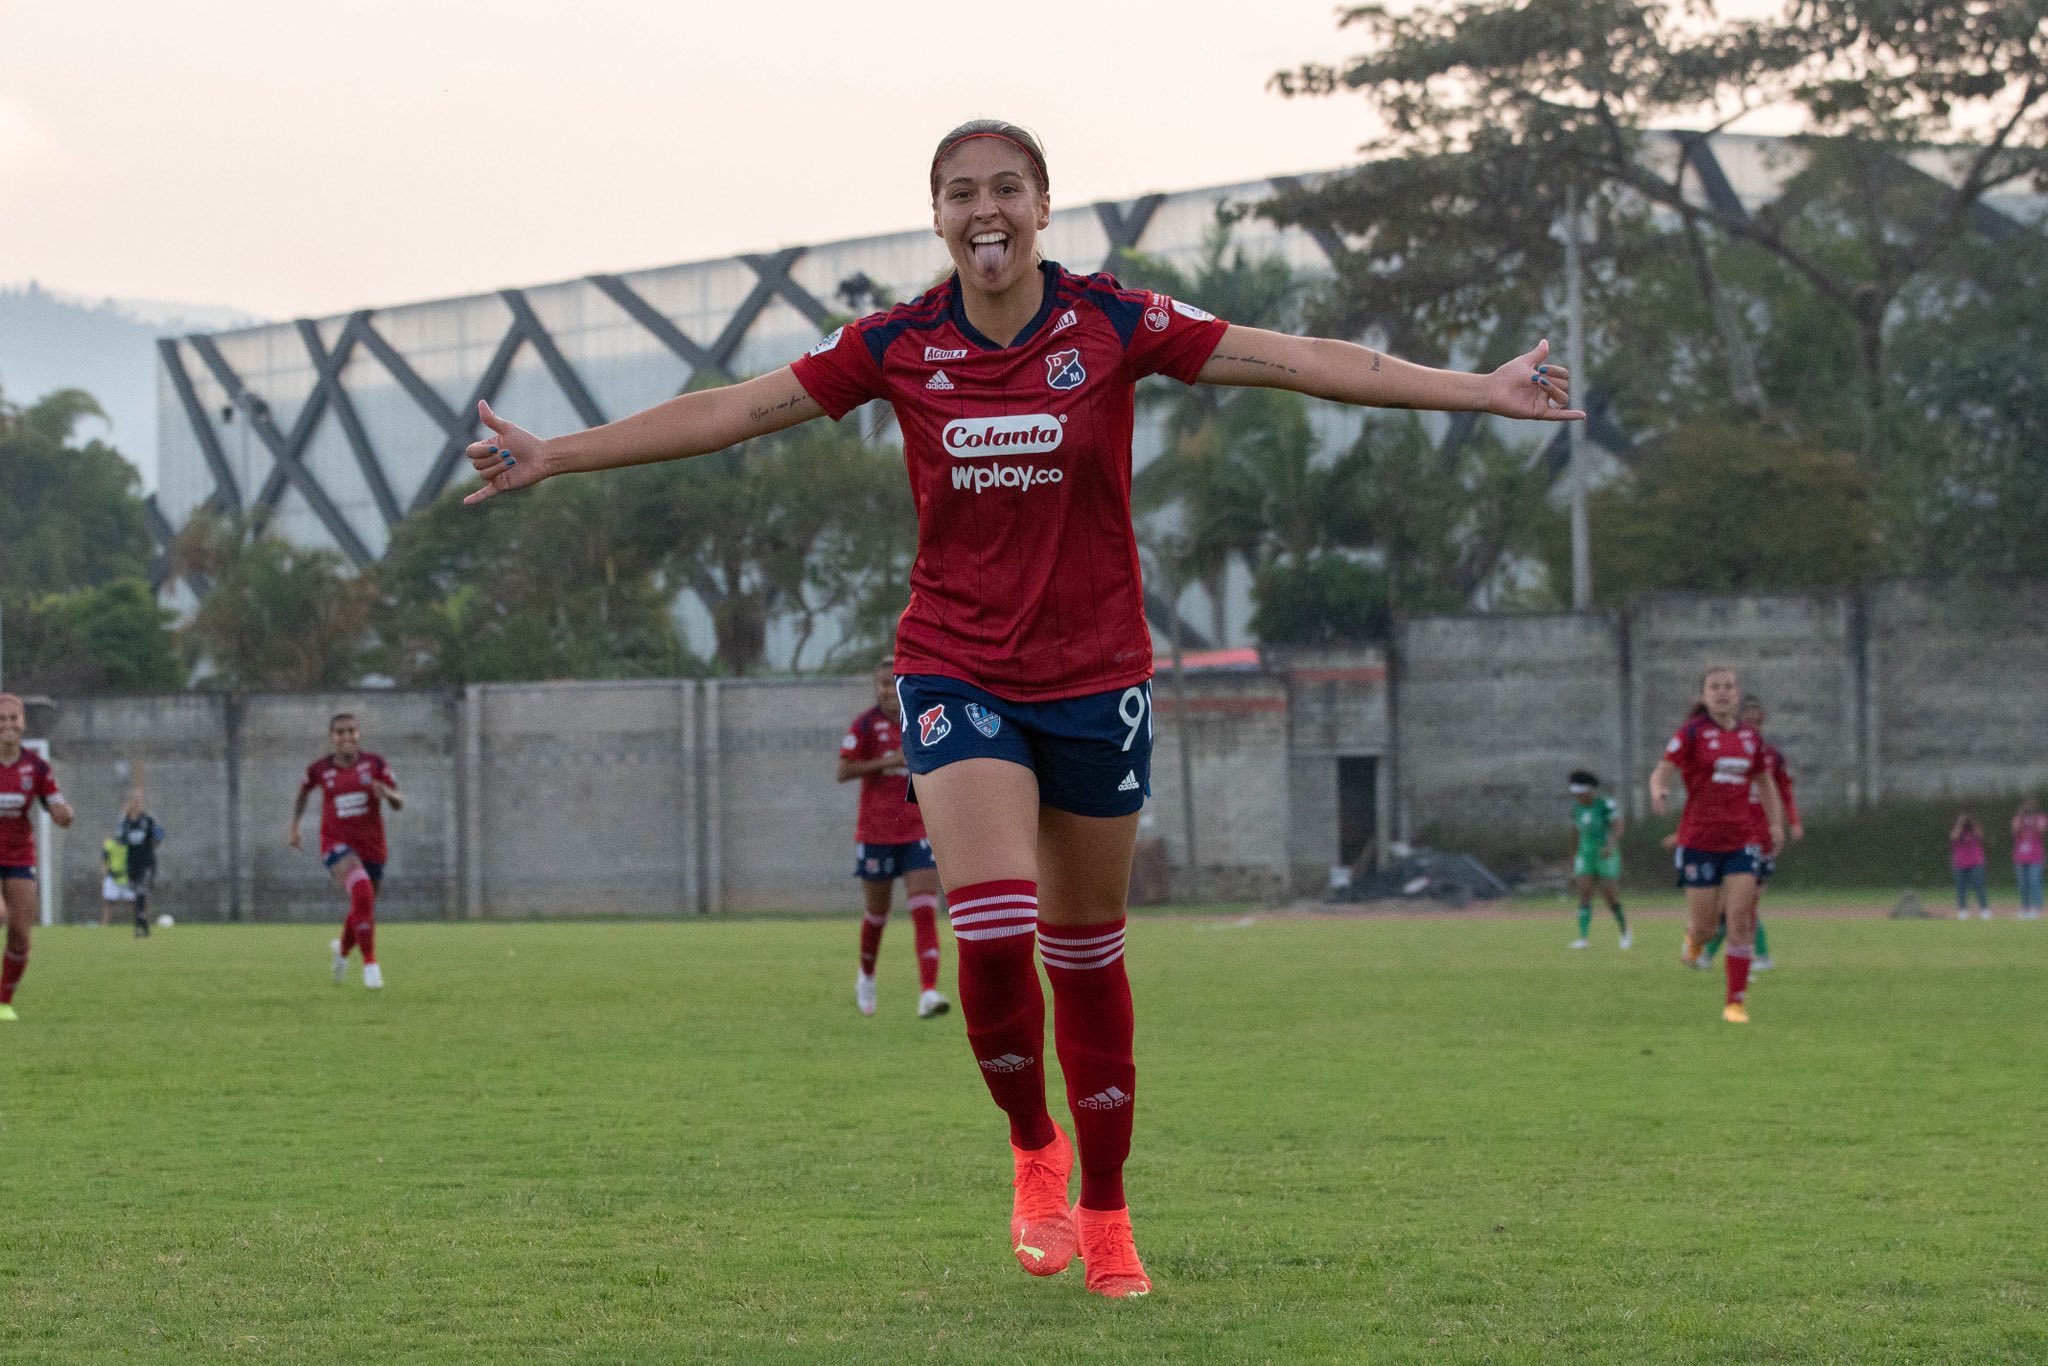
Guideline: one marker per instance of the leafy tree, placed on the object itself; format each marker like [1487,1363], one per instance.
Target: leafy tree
[277,616]
[1516,95]
[72,517]
[563,582]
[789,526]
[1706,508]
[110,638]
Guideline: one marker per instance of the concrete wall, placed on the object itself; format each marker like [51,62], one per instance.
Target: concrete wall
[1495,711]
[669,797]
[1957,682]
[1798,653]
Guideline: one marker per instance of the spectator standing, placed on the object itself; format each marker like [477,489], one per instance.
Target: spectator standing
[1966,860]
[2029,834]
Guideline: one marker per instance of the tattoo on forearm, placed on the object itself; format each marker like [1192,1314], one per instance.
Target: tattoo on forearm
[1260,361]
[1375,361]
[762,413]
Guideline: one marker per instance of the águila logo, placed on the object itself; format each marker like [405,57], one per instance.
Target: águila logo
[973,438]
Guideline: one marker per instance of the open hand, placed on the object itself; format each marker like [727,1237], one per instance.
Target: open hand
[1530,386]
[510,457]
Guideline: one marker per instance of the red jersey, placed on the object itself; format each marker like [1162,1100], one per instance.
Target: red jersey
[350,813]
[23,783]
[1770,764]
[1717,764]
[1026,581]
[886,814]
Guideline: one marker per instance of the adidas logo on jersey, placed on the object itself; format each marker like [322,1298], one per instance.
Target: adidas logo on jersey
[938,381]
[1009,1062]
[1107,1099]
[1130,782]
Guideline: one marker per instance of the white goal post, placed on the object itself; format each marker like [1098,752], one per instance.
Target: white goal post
[50,879]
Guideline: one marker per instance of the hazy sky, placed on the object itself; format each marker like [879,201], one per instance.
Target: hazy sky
[299,160]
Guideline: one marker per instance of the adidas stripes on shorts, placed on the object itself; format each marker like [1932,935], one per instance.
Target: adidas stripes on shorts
[1092,755]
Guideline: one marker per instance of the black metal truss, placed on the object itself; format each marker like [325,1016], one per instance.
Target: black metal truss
[225,492]
[1124,227]
[285,451]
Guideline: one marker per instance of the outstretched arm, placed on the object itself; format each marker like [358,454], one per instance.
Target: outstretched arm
[690,424]
[1528,386]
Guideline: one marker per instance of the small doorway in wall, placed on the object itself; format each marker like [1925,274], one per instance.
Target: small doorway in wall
[1358,807]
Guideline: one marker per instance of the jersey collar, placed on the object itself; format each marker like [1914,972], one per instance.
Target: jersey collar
[956,309]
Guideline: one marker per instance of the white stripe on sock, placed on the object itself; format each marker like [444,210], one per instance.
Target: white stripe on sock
[1004,933]
[1004,898]
[1064,940]
[1009,913]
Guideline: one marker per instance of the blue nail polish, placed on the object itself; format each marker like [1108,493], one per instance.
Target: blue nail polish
[1542,369]
[509,460]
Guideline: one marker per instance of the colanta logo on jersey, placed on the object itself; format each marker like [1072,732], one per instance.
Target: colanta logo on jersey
[972,438]
[1063,370]
[934,354]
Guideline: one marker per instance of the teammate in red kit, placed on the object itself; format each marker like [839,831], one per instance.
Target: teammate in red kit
[354,785]
[889,843]
[25,782]
[1720,759]
[1770,769]
[1024,657]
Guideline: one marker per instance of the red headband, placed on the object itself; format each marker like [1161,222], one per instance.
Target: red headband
[1037,162]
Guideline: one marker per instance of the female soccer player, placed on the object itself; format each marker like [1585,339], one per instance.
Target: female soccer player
[1597,863]
[1771,768]
[25,780]
[889,843]
[355,786]
[1022,661]
[1717,757]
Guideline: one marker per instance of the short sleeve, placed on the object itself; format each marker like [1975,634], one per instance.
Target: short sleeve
[46,785]
[1676,748]
[839,372]
[1172,339]
[384,774]
[312,778]
[849,743]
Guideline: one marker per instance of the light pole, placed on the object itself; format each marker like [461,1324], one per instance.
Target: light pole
[1575,441]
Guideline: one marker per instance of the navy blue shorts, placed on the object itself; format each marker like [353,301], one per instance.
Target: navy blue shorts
[25,871]
[1092,755]
[342,851]
[887,862]
[1707,867]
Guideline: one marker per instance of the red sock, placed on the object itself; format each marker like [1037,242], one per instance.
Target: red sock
[13,963]
[871,927]
[924,920]
[1737,959]
[1001,1000]
[1092,1026]
[348,931]
[362,901]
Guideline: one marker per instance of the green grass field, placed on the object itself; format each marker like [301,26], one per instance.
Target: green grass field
[1359,1140]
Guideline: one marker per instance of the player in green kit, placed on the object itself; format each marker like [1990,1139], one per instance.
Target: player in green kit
[1598,861]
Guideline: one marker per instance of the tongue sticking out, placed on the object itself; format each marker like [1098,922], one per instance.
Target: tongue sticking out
[988,256]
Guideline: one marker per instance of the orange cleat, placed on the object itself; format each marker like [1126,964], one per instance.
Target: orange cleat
[1113,1266]
[1735,1013]
[1041,1230]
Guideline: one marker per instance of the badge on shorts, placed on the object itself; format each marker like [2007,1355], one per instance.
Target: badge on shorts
[985,721]
[932,725]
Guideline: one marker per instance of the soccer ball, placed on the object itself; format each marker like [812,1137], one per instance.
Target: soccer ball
[164,921]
